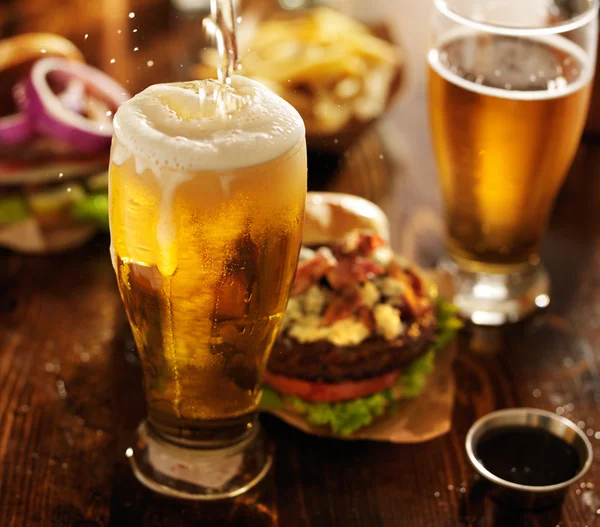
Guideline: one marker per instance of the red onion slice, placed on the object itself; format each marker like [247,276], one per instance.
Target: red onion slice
[15,129]
[50,117]
[73,97]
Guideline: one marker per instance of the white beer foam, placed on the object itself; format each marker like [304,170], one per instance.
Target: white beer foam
[260,127]
[556,41]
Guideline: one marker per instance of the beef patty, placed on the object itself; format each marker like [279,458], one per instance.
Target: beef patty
[326,362]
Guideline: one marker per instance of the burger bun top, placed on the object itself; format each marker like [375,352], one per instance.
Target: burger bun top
[330,216]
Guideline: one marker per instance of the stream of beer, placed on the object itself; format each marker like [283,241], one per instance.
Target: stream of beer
[221,25]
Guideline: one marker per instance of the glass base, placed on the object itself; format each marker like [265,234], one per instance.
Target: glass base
[199,473]
[497,299]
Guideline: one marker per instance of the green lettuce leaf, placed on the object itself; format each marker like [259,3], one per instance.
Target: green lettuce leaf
[414,376]
[347,417]
[270,399]
[448,324]
[12,210]
[342,418]
[93,208]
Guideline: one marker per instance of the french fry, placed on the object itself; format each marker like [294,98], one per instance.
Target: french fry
[310,69]
[372,47]
[347,88]
[331,115]
[376,87]
[333,23]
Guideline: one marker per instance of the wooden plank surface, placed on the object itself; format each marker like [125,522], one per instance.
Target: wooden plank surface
[70,383]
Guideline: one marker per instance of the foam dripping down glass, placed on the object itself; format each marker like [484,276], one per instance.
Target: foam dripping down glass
[207,192]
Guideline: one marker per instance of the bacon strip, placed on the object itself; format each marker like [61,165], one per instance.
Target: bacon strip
[395,271]
[416,282]
[343,306]
[411,301]
[365,315]
[360,243]
[311,271]
[352,271]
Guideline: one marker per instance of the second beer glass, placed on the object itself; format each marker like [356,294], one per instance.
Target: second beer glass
[509,87]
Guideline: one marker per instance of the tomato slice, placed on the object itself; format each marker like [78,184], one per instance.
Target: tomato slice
[328,392]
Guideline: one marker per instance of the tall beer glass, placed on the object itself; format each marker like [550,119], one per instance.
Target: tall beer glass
[207,192]
[509,87]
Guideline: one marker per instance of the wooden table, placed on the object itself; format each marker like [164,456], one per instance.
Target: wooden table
[70,383]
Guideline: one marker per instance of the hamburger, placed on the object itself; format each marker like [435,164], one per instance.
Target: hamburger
[362,326]
[55,131]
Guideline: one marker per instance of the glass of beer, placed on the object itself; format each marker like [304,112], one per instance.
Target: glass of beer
[207,192]
[509,88]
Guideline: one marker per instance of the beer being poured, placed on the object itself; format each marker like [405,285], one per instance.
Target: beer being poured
[207,191]
[222,27]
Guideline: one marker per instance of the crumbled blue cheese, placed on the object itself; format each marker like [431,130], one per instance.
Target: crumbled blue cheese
[383,256]
[315,299]
[347,332]
[306,254]
[307,330]
[294,309]
[370,294]
[391,287]
[388,321]
[327,254]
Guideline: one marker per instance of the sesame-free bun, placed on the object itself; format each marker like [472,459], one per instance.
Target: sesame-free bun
[331,215]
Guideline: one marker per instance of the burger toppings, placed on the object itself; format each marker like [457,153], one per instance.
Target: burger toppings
[312,269]
[343,305]
[388,321]
[353,270]
[370,294]
[345,295]
[360,243]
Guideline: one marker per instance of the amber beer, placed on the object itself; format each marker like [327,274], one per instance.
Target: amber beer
[507,116]
[207,191]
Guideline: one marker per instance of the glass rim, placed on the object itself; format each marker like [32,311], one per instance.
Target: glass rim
[576,22]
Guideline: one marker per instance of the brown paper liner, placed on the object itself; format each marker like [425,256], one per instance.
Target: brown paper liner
[416,420]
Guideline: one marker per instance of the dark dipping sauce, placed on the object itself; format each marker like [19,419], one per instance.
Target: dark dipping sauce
[527,456]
